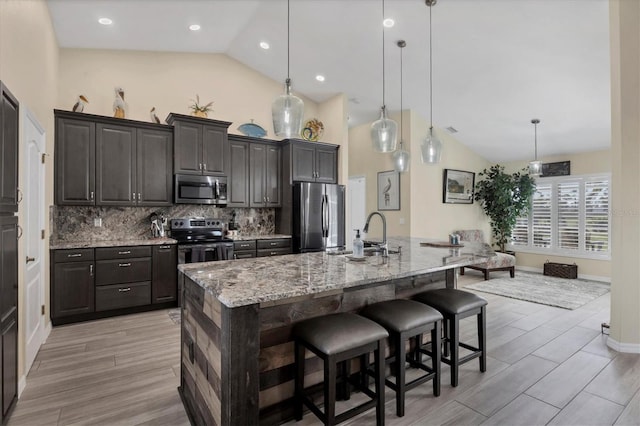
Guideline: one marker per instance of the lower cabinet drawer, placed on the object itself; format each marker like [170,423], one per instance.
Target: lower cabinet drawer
[122,295]
[274,252]
[123,270]
[274,243]
[244,254]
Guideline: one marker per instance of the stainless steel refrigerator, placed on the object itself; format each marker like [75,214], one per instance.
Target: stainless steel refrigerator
[318,216]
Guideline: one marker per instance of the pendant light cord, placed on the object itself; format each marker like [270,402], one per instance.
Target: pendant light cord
[288,37]
[401,111]
[430,71]
[383,74]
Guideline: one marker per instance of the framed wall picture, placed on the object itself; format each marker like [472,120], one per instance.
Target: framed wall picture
[458,186]
[389,190]
[561,168]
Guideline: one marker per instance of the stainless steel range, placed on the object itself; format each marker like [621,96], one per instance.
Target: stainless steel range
[201,240]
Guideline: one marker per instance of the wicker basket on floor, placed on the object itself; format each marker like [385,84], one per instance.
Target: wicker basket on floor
[561,270]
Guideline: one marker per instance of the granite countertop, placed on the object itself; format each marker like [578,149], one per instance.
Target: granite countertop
[58,245]
[256,237]
[247,281]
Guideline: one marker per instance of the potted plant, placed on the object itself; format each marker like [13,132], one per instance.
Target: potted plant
[200,110]
[504,198]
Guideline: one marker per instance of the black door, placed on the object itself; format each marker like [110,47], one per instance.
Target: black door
[8,151]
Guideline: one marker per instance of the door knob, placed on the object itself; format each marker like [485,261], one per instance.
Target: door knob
[31,259]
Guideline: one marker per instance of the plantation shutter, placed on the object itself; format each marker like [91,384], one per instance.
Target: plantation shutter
[541,216]
[568,202]
[597,215]
[520,233]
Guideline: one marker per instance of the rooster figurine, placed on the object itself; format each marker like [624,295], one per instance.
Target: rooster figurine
[79,106]
[154,117]
[119,105]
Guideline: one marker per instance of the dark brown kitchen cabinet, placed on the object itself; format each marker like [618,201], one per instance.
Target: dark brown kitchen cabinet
[8,151]
[73,289]
[238,183]
[265,170]
[201,146]
[164,280]
[311,161]
[109,161]
[133,166]
[75,156]
[9,312]
[244,249]
[273,247]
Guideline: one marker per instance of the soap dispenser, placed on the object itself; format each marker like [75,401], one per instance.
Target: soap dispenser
[358,245]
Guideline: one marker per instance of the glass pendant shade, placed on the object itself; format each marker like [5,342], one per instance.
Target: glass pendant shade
[431,148]
[384,133]
[287,111]
[535,168]
[401,160]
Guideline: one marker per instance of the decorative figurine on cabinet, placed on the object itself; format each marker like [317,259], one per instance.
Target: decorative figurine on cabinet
[119,105]
[79,106]
[154,116]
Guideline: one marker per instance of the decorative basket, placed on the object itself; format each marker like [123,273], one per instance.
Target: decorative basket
[561,270]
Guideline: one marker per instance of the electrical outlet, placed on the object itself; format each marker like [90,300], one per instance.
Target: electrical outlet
[97,222]
[402,221]
[250,220]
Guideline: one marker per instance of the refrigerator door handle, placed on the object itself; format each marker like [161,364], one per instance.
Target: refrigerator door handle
[323,214]
[328,221]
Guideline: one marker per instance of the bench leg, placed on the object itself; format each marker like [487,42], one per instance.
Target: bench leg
[512,271]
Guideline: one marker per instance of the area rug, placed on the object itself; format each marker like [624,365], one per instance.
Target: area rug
[538,288]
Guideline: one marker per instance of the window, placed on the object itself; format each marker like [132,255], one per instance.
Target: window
[569,217]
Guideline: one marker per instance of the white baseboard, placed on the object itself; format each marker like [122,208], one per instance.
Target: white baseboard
[22,383]
[581,276]
[630,348]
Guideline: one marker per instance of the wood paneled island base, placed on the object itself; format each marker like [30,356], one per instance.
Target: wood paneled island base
[237,361]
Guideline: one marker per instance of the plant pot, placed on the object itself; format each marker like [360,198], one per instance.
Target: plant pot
[201,114]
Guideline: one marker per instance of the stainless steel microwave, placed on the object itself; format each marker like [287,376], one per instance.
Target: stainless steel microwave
[195,189]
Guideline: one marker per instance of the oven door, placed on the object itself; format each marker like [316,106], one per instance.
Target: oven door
[210,252]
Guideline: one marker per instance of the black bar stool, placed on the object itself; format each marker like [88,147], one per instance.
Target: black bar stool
[336,339]
[455,305]
[404,320]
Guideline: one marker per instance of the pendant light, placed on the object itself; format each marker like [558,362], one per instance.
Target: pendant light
[287,109]
[431,146]
[401,157]
[535,166]
[384,131]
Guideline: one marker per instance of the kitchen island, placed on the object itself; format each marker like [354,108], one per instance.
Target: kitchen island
[236,350]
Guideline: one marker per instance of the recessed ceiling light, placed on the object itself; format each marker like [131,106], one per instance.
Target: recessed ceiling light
[105,21]
[264,45]
[388,22]
[194,27]
[320,77]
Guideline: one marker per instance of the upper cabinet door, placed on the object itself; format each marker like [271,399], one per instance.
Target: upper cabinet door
[115,165]
[273,171]
[188,148]
[8,151]
[215,150]
[238,183]
[154,167]
[303,163]
[257,171]
[326,165]
[75,157]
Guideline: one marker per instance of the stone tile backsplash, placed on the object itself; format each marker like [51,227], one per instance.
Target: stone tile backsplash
[76,223]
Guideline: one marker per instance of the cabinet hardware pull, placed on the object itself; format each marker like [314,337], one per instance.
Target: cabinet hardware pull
[273,253]
[19,232]
[244,245]
[75,255]
[31,259]
[122,290]
[133,194]
[90,270]
[139,197]
[199,166]
[125,252]
[91,195]
[204,166]
[164,247]
[124,265]
[274,244]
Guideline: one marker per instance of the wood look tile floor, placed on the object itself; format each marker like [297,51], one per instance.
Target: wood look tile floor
[545,366]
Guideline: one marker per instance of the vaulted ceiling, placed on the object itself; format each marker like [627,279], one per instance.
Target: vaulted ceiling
[496,63]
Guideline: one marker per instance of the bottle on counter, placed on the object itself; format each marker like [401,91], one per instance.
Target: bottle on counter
[358,245]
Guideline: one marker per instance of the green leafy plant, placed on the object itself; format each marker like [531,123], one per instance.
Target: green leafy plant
[196,108]
[504,198]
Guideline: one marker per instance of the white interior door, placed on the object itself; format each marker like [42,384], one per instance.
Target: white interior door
[357,195]
[34,215]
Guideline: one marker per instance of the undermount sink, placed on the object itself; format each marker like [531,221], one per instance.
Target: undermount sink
[369,251]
